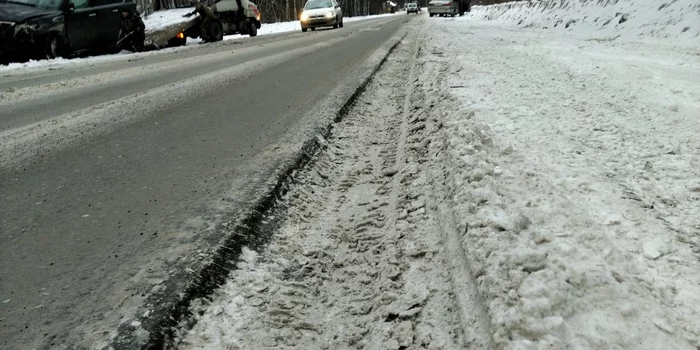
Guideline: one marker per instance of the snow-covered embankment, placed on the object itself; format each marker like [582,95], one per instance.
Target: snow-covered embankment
[574,168]
[673,19]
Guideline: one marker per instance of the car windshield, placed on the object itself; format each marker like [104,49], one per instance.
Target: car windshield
[49,4]
[318,4]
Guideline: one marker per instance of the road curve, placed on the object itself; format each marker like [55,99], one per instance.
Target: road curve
[115,175]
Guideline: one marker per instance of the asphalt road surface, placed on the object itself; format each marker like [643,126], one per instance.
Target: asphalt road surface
[114,176]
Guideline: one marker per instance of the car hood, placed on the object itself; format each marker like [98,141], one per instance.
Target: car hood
[316,12]
[438,2]
[19,13]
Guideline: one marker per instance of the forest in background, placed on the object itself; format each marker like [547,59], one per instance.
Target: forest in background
[289,10]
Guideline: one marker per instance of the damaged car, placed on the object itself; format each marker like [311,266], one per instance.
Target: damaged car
[35,29]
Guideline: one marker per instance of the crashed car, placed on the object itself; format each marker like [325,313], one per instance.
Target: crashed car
[52,28]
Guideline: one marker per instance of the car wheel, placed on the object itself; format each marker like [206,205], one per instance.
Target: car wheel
[252,29]
[216,31]
[341,22]
[54,47]
[304,29]
[312,29]
[452,15]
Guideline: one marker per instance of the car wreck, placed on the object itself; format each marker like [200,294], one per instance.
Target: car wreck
[36,29]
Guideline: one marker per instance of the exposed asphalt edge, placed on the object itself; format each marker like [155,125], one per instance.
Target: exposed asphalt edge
[251,231]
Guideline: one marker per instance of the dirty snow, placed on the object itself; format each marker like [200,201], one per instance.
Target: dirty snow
[537,188]
[575,161]
[356,262]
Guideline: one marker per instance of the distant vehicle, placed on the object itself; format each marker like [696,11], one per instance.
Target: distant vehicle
[412,7]
[321,13]
[448,8]
[231,22]
[32,29]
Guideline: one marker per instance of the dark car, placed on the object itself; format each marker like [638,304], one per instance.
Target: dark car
[53,28]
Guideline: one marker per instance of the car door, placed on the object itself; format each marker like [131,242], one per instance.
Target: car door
[81,24]
[109,21]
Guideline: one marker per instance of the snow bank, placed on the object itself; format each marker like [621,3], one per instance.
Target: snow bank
[677,19]
[283,27]
[573,168]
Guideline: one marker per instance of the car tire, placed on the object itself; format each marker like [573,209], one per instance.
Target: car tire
[54,47]
[252,29]
[313,29]
[216,31]
[304,29]
[341,22]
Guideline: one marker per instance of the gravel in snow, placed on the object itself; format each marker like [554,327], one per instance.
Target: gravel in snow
[521,189]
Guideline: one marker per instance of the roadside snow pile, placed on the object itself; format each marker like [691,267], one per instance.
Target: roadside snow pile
[627,18]
[574,168]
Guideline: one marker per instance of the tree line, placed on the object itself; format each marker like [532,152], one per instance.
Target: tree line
[289,10]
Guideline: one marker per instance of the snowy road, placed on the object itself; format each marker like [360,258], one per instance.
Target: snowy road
[523,177]
[117,175]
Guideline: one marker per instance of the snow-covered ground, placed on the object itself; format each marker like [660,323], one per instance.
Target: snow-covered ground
[575,162]
[672,19]
[499,185]
[155,22]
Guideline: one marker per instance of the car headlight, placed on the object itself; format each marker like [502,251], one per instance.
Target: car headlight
[330,15]
[304,16]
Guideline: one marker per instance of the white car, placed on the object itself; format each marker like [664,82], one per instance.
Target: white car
[412,7]
[321,13]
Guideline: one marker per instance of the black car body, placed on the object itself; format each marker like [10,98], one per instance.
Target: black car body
[51,28]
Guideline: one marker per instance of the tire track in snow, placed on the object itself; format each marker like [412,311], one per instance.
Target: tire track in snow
[358,261]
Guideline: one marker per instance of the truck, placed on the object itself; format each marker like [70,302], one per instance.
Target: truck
[448,7]
[229,20]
